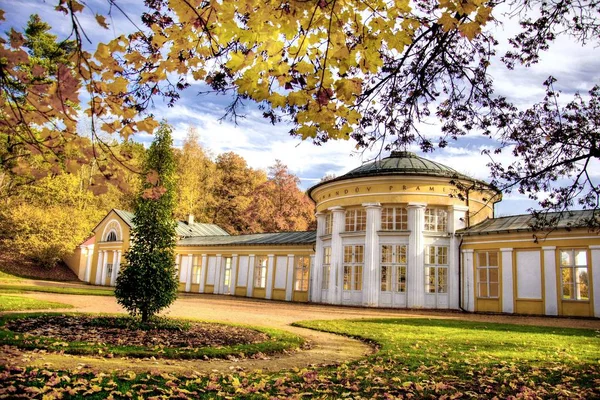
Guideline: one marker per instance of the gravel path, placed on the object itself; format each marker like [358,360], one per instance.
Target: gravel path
[327,348]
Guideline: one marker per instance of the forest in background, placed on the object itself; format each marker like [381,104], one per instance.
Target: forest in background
[45,219]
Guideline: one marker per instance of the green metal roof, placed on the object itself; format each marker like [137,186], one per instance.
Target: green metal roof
[255,239]
[183,229]
[523,223]
[401,163]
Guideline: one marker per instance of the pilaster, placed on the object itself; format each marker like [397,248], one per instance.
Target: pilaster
[334,294]
[289,284]
[104,266]
[415,273]
[468,299]
[203,273]
[371,270]
[594,268]
[99,267]
[270,269]
[508,299]
[551,294]
[88,264]
[317,267]
[190,271]
[250,283]
[233,276]
[217,288]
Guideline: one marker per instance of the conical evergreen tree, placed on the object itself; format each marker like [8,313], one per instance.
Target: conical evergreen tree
[148,283]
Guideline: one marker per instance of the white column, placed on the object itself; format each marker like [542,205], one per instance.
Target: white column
[456,221]
[371,270]
[316,278]
[415,272]
[336,274]
[113,274]
[202,274]
[88,264]
[312,266]
[233,276]
[594,269]
[104,266]
[117,267]
[218,288]
[508,301]
[469,283]
[289,285]
[99,267]
[551,294]
[250,283]
[190,267]
[270,269]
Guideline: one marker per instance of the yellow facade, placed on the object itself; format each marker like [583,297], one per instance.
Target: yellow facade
[397,232]
[543,263]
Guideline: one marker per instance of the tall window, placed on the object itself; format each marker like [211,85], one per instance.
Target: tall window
[301,273]
[328,223]
[112,236]
[356,220]
[574,275]
[353,267]
[260,273]
[488,285]
[394,219]
[227,277]
[196,269]
[109,269]
[326,266]
[393,268]
[436,269]
[436,220]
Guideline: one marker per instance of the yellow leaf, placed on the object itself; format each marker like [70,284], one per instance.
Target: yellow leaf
[346,89]
[470,29]
[448,22]
[147,125]
[236,61]
[102,52]
[277,100]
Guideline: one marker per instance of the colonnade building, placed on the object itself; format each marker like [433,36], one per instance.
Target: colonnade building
[400,232]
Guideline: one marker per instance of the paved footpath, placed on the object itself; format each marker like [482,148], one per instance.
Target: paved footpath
[326,348]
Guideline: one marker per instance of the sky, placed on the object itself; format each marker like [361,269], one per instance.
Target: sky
[577,68]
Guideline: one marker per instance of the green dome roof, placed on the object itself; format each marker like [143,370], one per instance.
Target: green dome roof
[401,163]
[404,163]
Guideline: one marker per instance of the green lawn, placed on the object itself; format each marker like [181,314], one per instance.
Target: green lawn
[19,303]
[56,289]
[418,358]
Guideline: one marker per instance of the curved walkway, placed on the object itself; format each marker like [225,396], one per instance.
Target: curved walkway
[326,348]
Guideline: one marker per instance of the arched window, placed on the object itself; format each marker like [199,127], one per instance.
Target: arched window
[112,232]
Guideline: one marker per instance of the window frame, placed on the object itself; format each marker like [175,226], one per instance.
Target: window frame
[396,268]
[400,213]
[438,263]
[353,267]
[355,218]
[436,218]
[326,268]
[260,272]
[304,270]
[329,223]
[573,267]
[196,270]
[487,269]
